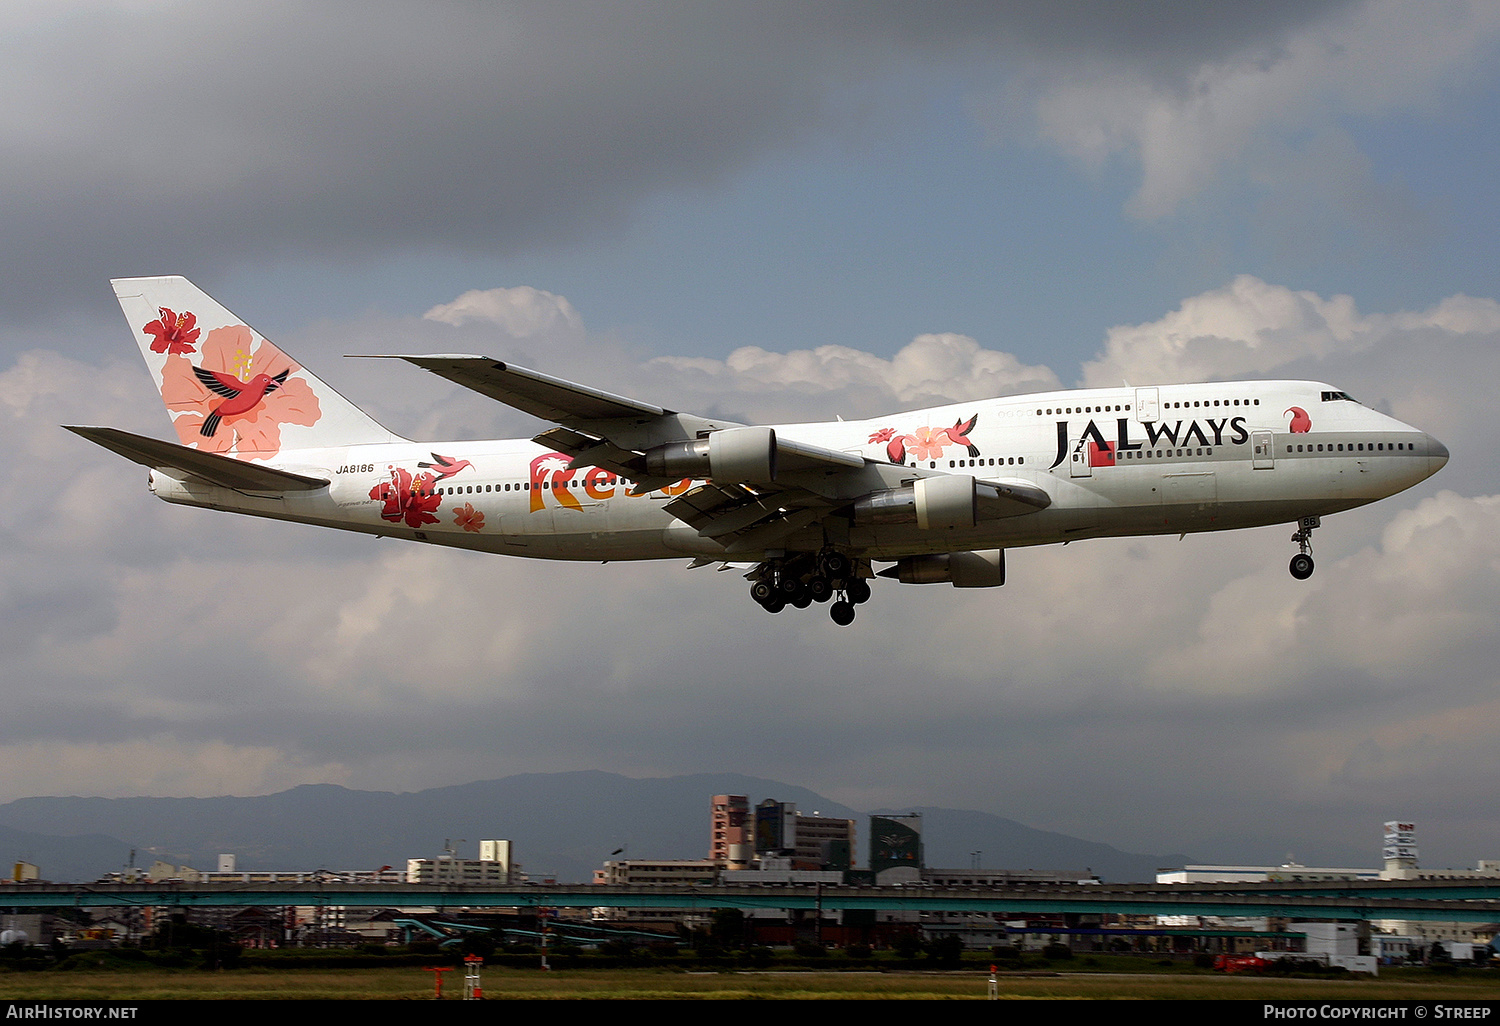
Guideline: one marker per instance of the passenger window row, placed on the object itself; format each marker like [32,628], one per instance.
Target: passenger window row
[1354,447]
[525,486]
[998,461]
[1196,403]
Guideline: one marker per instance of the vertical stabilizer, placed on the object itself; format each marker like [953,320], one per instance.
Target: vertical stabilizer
[227,389]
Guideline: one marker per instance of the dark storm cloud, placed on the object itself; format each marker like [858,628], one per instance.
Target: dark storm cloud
[155,137]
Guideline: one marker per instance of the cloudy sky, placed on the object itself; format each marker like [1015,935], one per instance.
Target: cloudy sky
[768,211]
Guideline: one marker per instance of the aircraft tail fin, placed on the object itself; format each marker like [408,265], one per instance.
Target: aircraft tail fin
[226,387]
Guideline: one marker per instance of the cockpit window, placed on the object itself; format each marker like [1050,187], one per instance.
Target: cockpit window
[1329,397]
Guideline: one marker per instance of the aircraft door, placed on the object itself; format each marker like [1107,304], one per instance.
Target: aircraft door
[1147,405]
[1264,448]
[1080,465]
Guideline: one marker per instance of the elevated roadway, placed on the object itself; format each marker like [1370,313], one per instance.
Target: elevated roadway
[1440,900]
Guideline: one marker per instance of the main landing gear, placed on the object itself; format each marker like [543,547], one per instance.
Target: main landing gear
[802,580]
[1302,562]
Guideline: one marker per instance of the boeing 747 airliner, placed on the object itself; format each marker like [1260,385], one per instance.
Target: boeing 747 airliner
[806,509]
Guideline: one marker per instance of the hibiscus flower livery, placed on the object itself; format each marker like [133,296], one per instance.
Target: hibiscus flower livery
[238,397]
[926,443]
[408,499]
[173,333]
[469,518]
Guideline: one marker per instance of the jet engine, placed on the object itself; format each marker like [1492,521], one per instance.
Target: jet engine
[734,454]
[933,502]
[982,569]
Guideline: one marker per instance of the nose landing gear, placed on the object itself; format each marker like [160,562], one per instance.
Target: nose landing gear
[1302,563]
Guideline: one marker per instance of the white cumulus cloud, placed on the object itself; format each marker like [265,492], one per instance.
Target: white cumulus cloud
[929,370]
[521,311]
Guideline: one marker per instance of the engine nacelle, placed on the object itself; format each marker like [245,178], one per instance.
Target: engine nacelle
[734,454]
[933,502]
[982,569]
[947,501]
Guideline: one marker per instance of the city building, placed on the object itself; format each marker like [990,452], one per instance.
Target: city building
[657,872]
[896,854]
[730,844]
[775,828]
[822,842]
[493,868]
[811,842]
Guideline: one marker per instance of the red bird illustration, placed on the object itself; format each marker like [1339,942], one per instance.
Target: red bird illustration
[446,466]
[959,432]
[1301,422]
[239,396]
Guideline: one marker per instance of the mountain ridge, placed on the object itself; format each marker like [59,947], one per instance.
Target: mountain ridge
[562,826]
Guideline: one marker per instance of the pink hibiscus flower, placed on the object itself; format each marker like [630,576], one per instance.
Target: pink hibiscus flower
[927,444]
[252,433]
[469,518]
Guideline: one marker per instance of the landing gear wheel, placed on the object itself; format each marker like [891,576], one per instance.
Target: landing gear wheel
[802,597]
[1302,562]
[821,588]
[858,590]
[842,613]
[774,604]
[762,591]
[835,565]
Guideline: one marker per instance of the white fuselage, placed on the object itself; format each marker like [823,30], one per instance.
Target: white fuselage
[1124,461]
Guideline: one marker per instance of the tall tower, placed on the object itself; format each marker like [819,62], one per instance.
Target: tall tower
[1400,850]
[729,832]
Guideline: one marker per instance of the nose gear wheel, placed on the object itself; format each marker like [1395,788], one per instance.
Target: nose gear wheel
[1302,563]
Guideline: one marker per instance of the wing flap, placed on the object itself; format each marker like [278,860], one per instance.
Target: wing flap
[744,518]
[589,451]
[716,510]
[224,471]
[766,535]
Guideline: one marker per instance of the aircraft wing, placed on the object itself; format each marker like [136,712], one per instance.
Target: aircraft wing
[601,428]
[762,487]
[541,395]
[210,466]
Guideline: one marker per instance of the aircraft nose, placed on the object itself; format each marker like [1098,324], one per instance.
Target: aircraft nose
[1437,455]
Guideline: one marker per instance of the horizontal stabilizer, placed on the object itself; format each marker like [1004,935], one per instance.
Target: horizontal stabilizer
[224,471]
